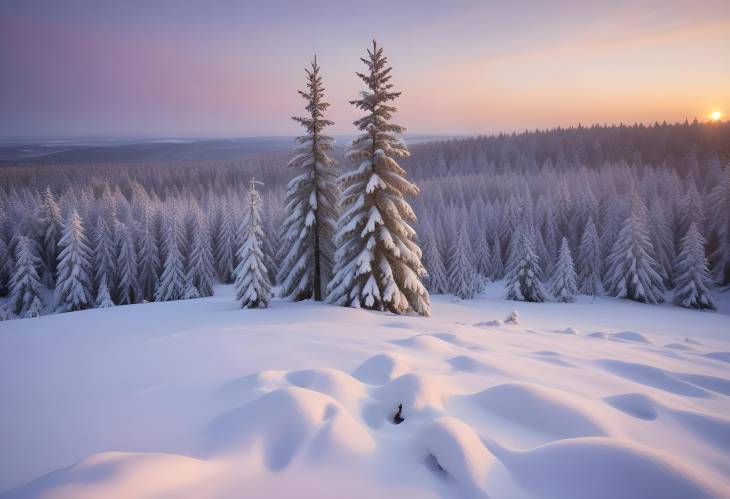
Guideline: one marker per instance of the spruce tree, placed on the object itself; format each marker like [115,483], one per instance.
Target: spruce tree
[436,280]
[311,202]
[172,281]
[73,283]
[6,267]
[378,265]
[201,272]
[590,261]
[524,274]
[694,283]
[497,264]
[463,281]
[632,271]
[128,290]
[104,256]
[225,246]
[719,225]
[563,280]
[103,298]
[251,279]
[50,225]
[148,255]
[25,285]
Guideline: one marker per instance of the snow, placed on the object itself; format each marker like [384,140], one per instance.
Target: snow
[199,398]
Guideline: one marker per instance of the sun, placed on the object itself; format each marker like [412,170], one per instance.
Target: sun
[715,115]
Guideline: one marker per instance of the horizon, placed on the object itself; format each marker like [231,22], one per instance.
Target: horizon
[226,70]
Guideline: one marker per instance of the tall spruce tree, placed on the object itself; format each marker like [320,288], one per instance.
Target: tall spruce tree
[719,224]
[73,283]
[311,201]
[251,278]
[632,271]
[694,284]
[524,274]
[378,265]
[25,285]
[225,243]
[590,261]
[563,284]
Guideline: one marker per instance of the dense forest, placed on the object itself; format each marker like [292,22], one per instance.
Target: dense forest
[627,211]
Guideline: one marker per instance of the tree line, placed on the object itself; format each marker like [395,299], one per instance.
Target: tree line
[635,212]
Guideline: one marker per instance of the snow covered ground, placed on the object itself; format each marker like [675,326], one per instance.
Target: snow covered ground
[198,398]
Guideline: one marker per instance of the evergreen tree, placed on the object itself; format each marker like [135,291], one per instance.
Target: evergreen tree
[201,272]
[148,256]
[719,224]
[463,281]
[693,279]
[484,259]
[25,285]
[73,284]
[524,275]
[378,266]
[590,261]
[103,298]
[225,243]
[563,281]
[50,224]
[128,290]
[6,267]
[191,291]
[104,254]
[436,280]
[172,282]
[632,271]
[311,202]
[497,264]
[252,281]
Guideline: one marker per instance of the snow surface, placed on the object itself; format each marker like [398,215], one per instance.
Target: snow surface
[199,398]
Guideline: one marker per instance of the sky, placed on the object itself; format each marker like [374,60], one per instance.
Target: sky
[231,68]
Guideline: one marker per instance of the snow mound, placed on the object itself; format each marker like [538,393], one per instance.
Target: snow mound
[602,468]
[286,421]
[382,368]
[541,409]
[598,335]
[337,384]
[712,383]
[631,336]
[254,385]
[468,364]
[420,394]
[638,405]
[651,376]
[128,474]
[426,343]
[451,446]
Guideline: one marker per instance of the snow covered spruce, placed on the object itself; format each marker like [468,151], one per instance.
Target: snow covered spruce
[251,278]
[377,263]
[311,202]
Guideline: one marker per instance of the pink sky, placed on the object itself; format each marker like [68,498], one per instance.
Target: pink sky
[227,68]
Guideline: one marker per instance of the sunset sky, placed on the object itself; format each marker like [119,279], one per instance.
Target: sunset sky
[232,68]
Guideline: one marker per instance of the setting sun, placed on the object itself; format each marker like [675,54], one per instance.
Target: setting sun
[716,115]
